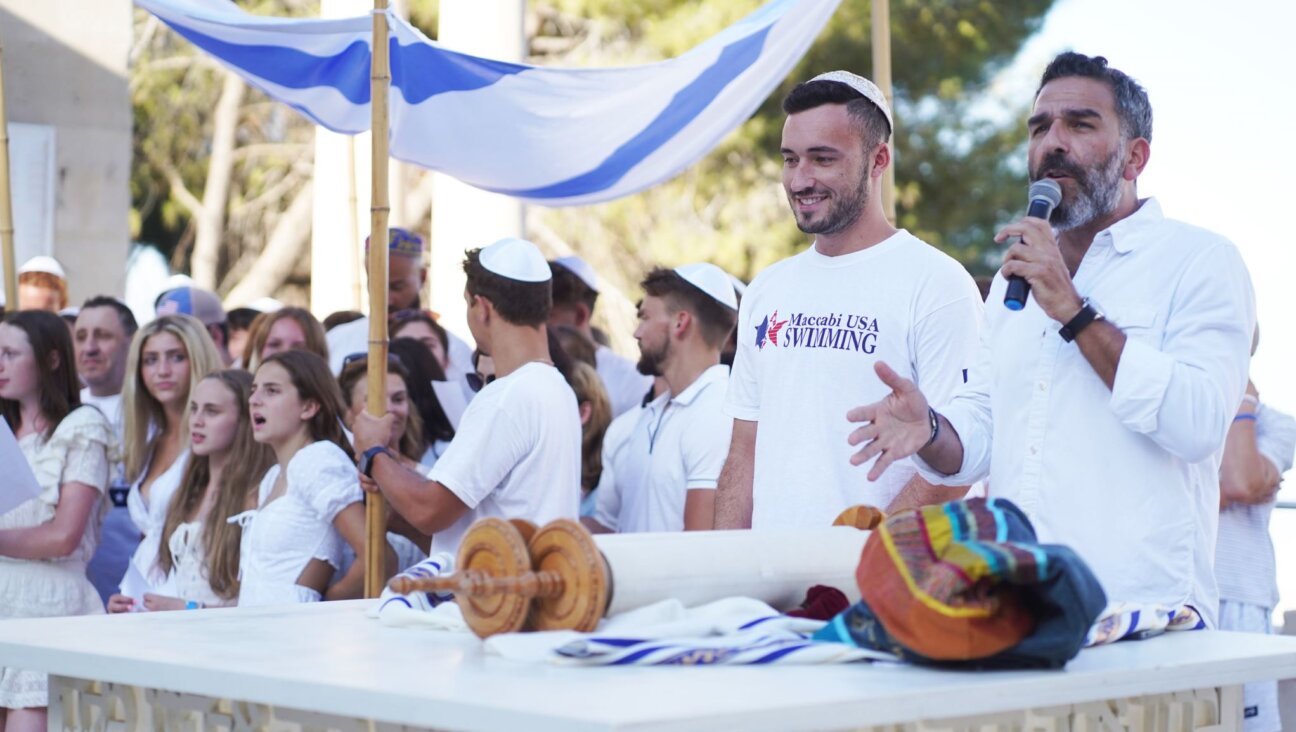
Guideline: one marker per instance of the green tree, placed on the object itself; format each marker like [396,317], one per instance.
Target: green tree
[958,174]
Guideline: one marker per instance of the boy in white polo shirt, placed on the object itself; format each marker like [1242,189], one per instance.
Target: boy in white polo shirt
[665,475]
[517,451]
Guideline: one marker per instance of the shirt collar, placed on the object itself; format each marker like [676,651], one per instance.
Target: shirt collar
[705,379]
[1125,234]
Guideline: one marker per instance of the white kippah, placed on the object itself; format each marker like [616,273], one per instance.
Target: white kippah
[42,263]
[581,269]
[515,259]
[863,86]
[712,280]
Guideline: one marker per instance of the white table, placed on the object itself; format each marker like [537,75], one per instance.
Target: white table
[189,669]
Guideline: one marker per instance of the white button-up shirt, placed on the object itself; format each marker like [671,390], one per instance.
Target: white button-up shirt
[1127,476]
[679,443]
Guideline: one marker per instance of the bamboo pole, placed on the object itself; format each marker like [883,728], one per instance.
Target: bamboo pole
[882,77]
[6,206]
[380,79]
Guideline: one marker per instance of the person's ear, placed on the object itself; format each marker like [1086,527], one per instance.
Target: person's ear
[583,315]
[1137,159]
[310,408]
[881,159]
[683,319]
[53,361]
[586,411]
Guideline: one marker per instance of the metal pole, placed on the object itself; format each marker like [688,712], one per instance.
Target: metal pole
[375,506]
[6,206]
[882,77]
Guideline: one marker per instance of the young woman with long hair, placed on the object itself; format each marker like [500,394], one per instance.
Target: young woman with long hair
[410,544]
[283,330]
[422,369]
[168,357]
[199,552]
[46,542]
[310,501]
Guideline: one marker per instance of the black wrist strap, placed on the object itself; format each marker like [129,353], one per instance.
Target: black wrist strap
[934,419]
[1081,321]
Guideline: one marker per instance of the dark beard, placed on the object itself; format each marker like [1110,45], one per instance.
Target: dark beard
[844,213]
[649,364]
[1098,189]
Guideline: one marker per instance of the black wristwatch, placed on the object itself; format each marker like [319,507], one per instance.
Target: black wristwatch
[1088,314]
[367,459]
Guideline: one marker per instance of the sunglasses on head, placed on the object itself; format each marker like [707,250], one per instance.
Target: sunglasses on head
[364,355]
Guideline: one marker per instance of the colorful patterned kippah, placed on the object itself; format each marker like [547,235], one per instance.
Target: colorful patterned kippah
[967,583]
[403,242]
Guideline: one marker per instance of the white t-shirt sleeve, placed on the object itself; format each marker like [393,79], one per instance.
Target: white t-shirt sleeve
[742,399]
[324,475]
[486,447]
[945,342]
[705,447]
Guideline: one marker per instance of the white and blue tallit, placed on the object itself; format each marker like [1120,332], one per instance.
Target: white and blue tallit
[552,136]
[734,631]
[435,611]
[1135,621]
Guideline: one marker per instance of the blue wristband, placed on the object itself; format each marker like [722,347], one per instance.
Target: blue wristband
[1242,417]
[192,604]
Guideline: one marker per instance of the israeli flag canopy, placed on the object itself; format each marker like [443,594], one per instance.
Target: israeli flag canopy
[552,136]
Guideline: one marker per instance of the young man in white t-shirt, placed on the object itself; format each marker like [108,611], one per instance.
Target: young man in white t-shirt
[812,326]
[667,471]
[517,451]
[102,337]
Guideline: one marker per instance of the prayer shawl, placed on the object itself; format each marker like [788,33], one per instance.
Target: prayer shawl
[967,584]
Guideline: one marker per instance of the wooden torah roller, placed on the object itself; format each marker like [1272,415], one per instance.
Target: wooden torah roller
[511,576]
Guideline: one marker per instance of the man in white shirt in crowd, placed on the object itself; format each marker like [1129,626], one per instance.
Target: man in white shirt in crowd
[575,292]
[1106,431]
[517,450]
[812,326]
[406,276]
[1258,450]
[666,473]
[102,336]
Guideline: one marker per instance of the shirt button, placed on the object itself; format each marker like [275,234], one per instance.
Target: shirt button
[1043,387]
[1033,450]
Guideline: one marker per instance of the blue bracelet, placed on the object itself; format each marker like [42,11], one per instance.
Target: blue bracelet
[1242,417]
[192,605]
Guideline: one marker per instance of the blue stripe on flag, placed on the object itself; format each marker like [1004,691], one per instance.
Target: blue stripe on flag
[347,72]
[434,71]
[684,107]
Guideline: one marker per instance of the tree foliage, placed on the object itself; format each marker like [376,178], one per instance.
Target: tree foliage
[959,173]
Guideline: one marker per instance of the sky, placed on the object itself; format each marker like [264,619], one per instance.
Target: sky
[1224,109]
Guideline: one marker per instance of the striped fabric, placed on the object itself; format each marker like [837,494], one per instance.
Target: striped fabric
[967,583]
[558,137]
[1132,621]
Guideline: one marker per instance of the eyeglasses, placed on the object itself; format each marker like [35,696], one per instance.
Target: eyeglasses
[477,382]
[364,356]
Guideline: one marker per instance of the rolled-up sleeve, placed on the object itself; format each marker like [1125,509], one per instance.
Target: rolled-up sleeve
[1183,394]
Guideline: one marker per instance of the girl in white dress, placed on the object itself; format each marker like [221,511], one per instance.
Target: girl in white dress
[200,553]
[46,542]
[310,502]
[168,357]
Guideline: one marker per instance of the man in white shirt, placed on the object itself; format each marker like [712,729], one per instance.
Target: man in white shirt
[811,326]
[517,450]
[102,337]
[406,275]
[1105,431]
[575,292]
[666,473]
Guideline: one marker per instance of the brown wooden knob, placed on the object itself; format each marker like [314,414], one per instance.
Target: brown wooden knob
[566,549]
[493,548]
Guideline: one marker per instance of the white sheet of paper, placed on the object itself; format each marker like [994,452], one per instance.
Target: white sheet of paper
[454,397]
[17,482]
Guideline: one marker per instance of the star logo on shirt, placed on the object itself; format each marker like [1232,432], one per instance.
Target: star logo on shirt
[768,330]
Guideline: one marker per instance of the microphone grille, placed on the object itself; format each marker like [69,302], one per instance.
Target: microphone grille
[1047,189]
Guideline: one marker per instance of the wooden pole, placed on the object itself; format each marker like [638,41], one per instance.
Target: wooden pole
[6,206]
[380,79]
[882,77]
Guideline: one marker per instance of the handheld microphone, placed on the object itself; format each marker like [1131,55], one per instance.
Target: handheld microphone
[1045,194]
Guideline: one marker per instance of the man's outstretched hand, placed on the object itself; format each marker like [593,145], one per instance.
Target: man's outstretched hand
[892,429]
